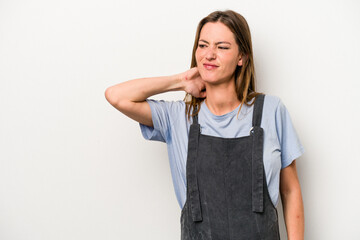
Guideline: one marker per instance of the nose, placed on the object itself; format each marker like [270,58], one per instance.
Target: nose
[210,54]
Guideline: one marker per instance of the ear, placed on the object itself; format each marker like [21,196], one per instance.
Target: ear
[242,57]
[240,62]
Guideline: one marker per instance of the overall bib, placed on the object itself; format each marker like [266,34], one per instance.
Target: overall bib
[227,194]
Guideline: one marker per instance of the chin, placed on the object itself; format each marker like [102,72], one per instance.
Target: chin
[209,77]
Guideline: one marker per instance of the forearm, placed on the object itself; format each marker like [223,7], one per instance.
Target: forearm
[139,90]
[293,214]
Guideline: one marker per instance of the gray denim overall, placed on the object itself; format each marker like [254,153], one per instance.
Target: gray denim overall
[227,194]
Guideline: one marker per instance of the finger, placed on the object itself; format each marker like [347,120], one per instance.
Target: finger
[202,94]
[192,73]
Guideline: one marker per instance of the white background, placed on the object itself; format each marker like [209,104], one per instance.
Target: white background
[73,167]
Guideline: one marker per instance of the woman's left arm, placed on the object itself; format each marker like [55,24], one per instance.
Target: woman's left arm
[292,202]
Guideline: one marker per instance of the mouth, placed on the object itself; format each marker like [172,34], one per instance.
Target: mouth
[209,66]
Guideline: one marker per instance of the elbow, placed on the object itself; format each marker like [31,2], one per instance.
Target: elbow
[111,96]
[114,98]
[291,191]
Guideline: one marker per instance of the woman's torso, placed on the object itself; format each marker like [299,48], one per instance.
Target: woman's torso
[281,144]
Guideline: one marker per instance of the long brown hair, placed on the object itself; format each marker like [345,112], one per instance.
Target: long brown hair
[245,74]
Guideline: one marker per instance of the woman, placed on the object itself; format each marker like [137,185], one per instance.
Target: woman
[231,149]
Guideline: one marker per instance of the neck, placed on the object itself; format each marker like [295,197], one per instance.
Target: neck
[222,98]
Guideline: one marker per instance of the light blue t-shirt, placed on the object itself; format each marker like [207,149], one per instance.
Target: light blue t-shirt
[281,143]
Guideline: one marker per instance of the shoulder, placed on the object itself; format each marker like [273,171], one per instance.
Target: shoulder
[166,113]
[272,102]
[178,103]
[167,106]
[275,112]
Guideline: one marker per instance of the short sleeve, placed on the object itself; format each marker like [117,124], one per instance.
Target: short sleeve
[291,147]
[163,114]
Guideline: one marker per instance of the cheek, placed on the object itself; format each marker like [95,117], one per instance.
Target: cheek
[232,62]
[197,56]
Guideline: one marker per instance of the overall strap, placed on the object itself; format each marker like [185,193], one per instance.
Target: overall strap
[257,157]
[195,117]
[193,193]
[258,109]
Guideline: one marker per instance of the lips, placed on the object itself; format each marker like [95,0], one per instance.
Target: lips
[210,66]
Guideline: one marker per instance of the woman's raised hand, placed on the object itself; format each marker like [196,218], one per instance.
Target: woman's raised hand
[193,83]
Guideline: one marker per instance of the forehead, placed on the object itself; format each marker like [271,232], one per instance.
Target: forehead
[216,32]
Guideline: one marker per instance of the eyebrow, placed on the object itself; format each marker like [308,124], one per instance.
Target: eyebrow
[215,43]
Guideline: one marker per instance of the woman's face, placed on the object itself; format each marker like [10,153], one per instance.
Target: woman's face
[217,53]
